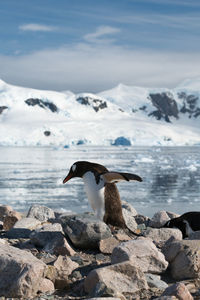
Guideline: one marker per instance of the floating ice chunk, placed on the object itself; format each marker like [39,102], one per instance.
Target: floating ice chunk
[192,168]
[169,200]
[145,160]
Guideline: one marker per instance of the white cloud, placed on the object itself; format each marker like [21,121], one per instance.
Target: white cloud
[101,31]
[96,67]
[36,27]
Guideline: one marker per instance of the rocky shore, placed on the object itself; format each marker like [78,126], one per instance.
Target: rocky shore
[47,255]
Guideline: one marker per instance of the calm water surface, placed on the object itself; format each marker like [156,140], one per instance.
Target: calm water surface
[171,177]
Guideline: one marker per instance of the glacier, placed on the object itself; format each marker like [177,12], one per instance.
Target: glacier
[121,116]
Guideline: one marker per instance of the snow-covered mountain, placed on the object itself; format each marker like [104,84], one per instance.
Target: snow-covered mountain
[123,115]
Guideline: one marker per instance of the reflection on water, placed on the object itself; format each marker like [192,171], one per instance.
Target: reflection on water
[164,183]
[171,177]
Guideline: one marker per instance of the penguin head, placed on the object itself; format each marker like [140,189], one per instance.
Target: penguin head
[76,170]
[178,223]
[79,168]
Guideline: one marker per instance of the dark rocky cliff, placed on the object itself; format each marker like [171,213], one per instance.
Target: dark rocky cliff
[166,106]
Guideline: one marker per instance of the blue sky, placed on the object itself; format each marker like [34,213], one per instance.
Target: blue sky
[87,45]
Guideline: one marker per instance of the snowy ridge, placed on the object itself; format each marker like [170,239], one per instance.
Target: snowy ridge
[124,115]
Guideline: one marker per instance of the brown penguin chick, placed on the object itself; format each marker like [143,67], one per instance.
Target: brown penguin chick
[113,208]
[101,190]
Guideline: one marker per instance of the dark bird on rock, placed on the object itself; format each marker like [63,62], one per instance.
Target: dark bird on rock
[187,223]
[101,190]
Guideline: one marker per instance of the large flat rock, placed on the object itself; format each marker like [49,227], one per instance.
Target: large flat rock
[84,230]
[142,253]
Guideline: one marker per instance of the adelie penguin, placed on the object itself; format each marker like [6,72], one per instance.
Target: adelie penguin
[101,190]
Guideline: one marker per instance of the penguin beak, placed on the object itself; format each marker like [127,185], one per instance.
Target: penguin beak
[67,178]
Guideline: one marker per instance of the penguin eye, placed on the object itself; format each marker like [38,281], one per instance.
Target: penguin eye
[74,167]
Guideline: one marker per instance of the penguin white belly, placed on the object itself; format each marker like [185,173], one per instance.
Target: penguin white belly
[95,194]
[188,228]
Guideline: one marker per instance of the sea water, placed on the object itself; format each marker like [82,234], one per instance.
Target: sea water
[171,177]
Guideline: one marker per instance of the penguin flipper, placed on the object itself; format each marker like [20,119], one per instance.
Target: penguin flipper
[114,177]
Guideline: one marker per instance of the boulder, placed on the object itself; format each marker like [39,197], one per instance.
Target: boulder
[101,290]
[84,230]
[159,219]
[154,281]
[23,228]
[51,238]
[59,246]
[64,266]
[142,220]
[161,235]
[45,234]
[129,213]
[46,286]
[129,220]
[124,278]
[20,273]
[172,215]
[107,245]
[11,219]
[127,206]
[142,253]
[178,290]
[41,213]
[5,210]
[184,258]
[122,237]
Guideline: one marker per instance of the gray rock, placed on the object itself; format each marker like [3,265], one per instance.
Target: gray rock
[5,210]
[123,278]
[161,235]
[101,290]
[46,286]
[64,266]
[154,281]
[20,273]
[51,238]
[40,212]
[184,258]
[59,246]
[172,215]
[29,223]
[159,219]
[46,234]
[23,228]
[107,245]
[11,219]
[129,213]
[178,290]
[85,231]
[127,206]
[142,220]
[142,253]
[129,220]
